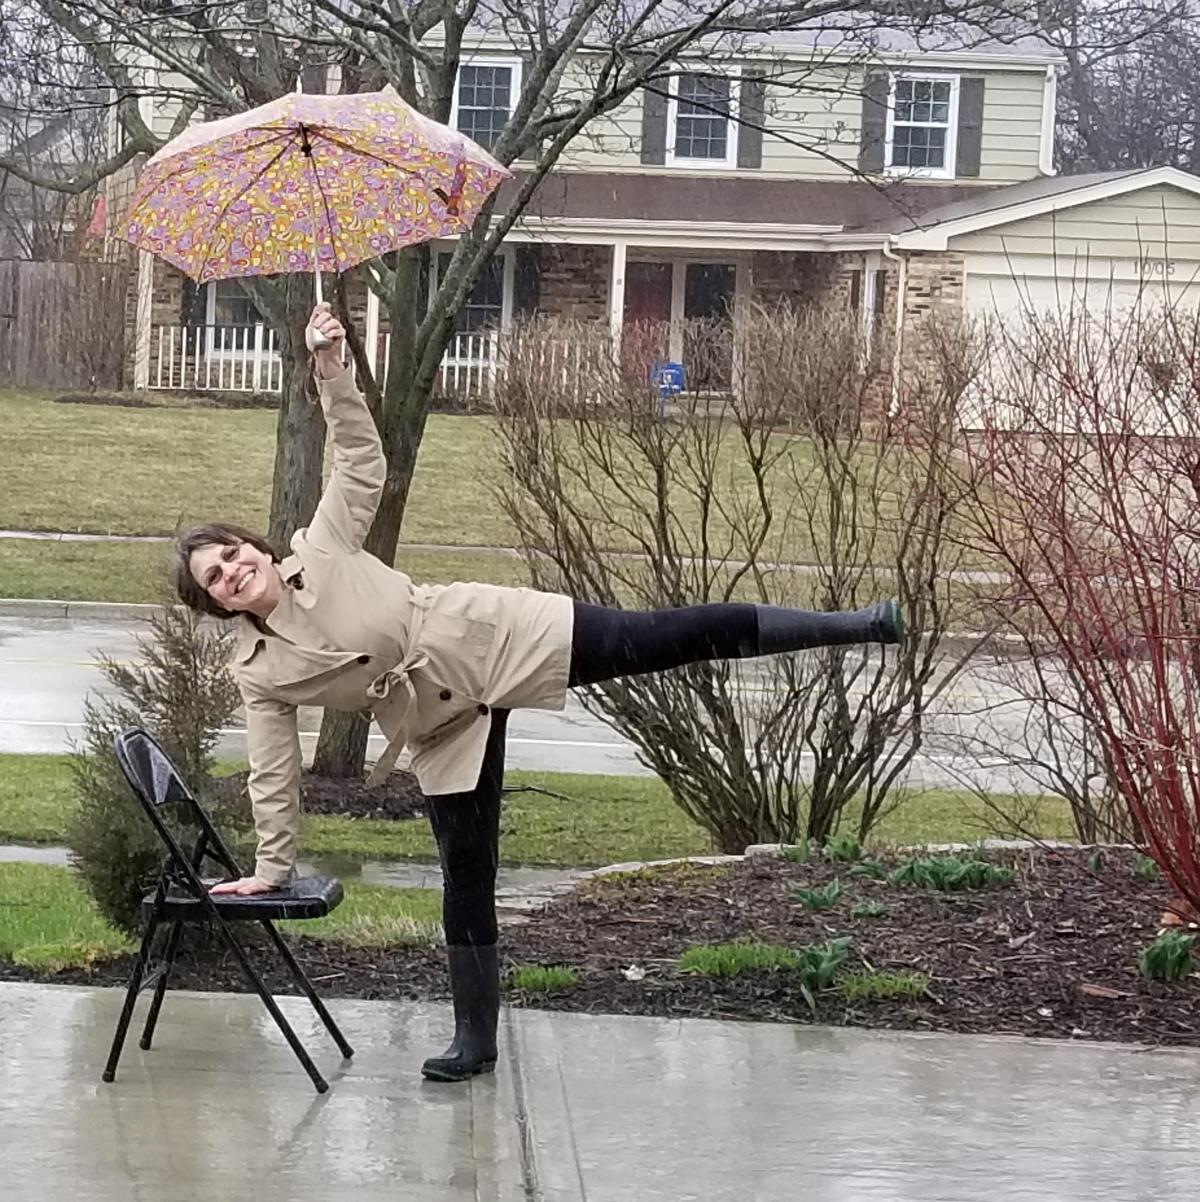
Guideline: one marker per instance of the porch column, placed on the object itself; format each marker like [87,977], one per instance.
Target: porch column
[743,282]
[141,320]
[371,334]
[678,309]
[616,294]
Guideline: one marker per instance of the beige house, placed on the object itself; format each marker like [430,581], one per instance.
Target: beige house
[893,184]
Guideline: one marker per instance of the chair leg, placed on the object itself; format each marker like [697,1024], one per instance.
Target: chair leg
[135,983]
[305,984]
[160,988]
[273,1009]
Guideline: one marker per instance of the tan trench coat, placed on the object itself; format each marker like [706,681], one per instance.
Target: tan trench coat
[350,633]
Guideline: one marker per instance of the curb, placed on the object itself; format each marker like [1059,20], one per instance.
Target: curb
[96,611]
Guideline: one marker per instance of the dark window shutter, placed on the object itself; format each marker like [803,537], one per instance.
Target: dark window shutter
[856,279]
[752,108]
[970,127]
[873,135]
[654,125]
[527,280]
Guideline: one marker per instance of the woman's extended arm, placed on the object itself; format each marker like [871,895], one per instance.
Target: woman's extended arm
[351,497]
[273,741]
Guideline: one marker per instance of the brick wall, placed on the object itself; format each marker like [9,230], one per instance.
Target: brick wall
[574,282]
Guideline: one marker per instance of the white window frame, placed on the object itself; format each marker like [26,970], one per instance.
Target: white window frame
[729,162]
[949,168]
[515,66]
[508,291]
[212,347]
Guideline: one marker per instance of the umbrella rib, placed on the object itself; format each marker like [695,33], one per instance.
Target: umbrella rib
[349,146]
[337,263]
[234,199]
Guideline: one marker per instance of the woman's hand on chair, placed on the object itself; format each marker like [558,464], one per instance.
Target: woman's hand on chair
[246,887]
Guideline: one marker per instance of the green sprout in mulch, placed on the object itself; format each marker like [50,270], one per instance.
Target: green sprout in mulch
[1168,958]
[816,967]
[843,849]
[796,853]
[873,909]
[882,986]
[1145,869]
[541,978]
[951,874]
[823,898]
[871,869]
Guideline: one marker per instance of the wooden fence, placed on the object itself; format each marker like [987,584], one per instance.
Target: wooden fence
[62,325]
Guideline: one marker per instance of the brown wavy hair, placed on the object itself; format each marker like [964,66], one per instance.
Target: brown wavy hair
[211,534]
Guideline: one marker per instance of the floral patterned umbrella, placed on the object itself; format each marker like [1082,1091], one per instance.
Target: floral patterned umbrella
[307,183]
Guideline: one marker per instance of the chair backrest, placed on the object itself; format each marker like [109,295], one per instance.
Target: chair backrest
[149,770]
[157,783]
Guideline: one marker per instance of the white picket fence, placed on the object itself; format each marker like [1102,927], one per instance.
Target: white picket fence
[246,359]
[215,359]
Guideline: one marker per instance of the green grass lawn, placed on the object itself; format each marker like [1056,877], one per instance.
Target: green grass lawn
[178,465]
[110,470]
[595,820]
[48,922]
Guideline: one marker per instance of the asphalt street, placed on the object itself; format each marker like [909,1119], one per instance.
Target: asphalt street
[48,668]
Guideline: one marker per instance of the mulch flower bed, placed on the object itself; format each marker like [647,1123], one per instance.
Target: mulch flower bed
[1054,953]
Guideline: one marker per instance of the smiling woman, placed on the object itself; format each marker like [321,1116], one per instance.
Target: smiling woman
[440,667]
[221,569]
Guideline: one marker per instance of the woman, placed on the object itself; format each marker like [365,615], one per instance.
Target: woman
[440,667]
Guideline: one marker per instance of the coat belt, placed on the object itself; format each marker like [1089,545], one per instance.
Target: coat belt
[396,683]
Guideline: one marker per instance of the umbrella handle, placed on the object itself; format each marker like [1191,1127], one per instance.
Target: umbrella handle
[314,339]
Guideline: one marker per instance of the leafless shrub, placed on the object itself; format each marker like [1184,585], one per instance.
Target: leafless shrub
[790,488]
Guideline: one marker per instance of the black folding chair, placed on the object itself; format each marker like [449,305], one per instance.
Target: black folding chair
[182,897]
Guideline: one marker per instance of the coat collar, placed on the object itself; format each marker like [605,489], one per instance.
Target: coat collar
[250,638]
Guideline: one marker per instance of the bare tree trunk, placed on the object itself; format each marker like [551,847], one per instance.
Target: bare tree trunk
[299,447]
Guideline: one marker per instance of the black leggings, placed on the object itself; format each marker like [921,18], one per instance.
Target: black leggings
[606,643]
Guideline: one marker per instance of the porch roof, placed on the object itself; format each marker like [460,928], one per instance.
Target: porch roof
[587,206]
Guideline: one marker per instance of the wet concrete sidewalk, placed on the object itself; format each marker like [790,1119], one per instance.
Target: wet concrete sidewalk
[583,1107]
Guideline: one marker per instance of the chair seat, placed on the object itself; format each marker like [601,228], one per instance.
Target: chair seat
[309,897]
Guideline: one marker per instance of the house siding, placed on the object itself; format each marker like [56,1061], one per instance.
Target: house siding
[1156,223]
[813,119]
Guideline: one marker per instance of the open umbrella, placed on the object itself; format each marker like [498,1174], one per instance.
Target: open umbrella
[307,183]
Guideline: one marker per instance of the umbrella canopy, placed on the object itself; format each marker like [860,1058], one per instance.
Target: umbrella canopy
[307,183]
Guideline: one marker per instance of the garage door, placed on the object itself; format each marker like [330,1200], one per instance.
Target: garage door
[1099,299]
[1016,289]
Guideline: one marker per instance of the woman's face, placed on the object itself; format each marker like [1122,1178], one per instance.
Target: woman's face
[238,578]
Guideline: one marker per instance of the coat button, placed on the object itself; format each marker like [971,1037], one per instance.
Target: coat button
[483,709]
[445,694]
[364,659]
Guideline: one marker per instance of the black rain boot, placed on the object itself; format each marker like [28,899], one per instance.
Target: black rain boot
[781,629]
[475,987]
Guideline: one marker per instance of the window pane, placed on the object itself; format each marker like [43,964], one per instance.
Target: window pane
[231,305]
[485,305]
[924,101]
[918,146]
[484,102]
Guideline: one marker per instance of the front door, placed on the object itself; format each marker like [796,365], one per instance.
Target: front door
[646,326]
